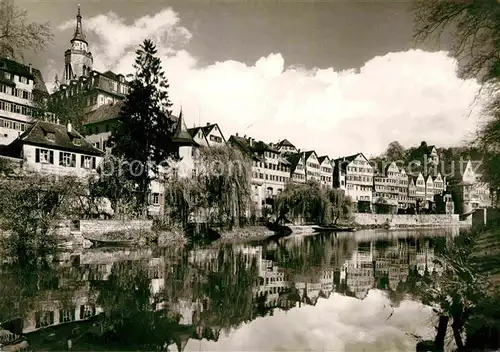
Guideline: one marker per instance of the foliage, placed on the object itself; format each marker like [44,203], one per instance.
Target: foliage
[29,210]
[475,29]
[6,167]
[70,110]
[382,206]
[112,182]
[476,46]
[311,202]
[218,192]
[17,34]
[144,132]
[395,152]
[462,291]
[127,301]
[341,205]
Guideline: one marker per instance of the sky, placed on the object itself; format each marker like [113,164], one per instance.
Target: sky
[339,323]
[338,77]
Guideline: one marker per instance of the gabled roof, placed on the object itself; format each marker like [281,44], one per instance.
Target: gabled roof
[321,159]
[36,134]
[293,159]
[205,130]
[344,161]
[285,143]
[308,154]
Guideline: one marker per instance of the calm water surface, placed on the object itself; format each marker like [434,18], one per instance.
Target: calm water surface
[344,292]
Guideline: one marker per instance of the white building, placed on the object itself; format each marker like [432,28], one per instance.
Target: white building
[19,86]
[54,149]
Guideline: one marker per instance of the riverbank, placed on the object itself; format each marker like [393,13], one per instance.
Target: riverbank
[373,221]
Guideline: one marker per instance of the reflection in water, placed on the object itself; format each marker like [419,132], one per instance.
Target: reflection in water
[154,298]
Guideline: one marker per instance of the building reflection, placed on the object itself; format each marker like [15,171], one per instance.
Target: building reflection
[209,291]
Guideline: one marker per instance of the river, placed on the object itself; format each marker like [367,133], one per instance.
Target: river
[336,292]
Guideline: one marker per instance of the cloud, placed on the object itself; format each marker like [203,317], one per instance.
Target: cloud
[336,324]
[406,96]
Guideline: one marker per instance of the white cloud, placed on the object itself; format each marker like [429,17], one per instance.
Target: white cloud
[407,96]
[336,324]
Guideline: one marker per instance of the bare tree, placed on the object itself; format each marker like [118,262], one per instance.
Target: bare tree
[476,45]
[18,34]
[475,26]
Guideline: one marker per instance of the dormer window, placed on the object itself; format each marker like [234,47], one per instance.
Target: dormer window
[51,136]
[77,141]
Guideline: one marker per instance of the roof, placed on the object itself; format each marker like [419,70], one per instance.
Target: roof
[293,159]
[104,113]
[252,148]
[36,135]
[321,159]
[285,143]
[79,35]
[181,135]
[309,153]
[111,74]
[344,161]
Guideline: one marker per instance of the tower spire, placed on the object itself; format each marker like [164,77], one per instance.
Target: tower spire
[79,35]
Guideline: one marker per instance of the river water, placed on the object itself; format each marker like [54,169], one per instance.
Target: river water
[335,292]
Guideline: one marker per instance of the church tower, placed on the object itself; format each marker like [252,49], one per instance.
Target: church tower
[77,60]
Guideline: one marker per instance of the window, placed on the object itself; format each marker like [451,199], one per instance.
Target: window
[66,316]
[51,136]
[44,318]
[44,156]
[88,162]
[67,159]
[155,199]
[216,139]
[77,141]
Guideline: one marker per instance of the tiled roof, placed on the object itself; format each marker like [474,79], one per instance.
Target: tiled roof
[309,153]
[346,160]
[205,129]
[36,135]
[285,143]
[111,74]
[256,147]
[321,159]
[104,113]
[293,159]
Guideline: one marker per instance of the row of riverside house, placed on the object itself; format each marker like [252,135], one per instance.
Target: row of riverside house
[47,146]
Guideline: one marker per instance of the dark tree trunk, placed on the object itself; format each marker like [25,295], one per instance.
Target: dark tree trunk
[441,332]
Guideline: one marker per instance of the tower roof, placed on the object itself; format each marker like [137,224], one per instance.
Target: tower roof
[181,134]
[79,35]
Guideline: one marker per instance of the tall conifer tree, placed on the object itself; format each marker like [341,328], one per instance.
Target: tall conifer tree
[144,133]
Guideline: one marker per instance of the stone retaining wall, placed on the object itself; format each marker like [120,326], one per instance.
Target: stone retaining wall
[94,227]
[402,220]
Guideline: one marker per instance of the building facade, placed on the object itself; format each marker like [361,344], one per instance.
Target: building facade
[20,87]
[467,189]
[354,174]
[54,149]
[270,171]
[387,188]
[326,171]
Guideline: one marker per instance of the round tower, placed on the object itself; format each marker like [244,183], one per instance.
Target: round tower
[78,59]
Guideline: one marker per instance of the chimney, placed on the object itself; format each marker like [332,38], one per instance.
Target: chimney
[250,140]
[208,123]
[236,134]
[69,127]
[31,68]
